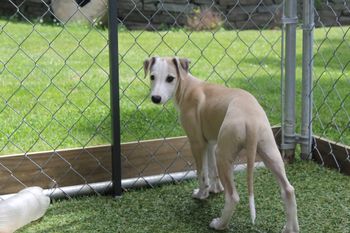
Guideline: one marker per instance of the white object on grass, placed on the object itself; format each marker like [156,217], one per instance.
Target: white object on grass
[69,11]
[22,208]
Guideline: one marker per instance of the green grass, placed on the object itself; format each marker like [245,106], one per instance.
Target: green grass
[55,88]
[55,94]
[322,197]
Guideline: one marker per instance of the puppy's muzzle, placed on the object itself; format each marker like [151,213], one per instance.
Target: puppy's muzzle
[156,99]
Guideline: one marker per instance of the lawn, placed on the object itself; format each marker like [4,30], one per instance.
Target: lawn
[55,94]
[322,196]
[55,87]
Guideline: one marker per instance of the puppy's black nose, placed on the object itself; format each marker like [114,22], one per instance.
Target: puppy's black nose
[156,99]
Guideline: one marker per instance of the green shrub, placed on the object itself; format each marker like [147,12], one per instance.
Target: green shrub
[204,19]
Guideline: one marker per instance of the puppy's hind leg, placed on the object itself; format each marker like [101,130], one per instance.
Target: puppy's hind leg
[270,155]
[225,169]
[215,185]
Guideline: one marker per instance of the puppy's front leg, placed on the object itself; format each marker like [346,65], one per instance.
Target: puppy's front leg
[201,159]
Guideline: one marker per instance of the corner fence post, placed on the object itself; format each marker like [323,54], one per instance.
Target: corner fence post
[289,20]
[306,114]
[114,97]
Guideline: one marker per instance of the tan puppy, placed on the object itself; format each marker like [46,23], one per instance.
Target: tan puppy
[221,124]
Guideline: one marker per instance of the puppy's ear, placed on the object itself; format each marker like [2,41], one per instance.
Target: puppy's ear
[147,65]
[185,64]
[182,65]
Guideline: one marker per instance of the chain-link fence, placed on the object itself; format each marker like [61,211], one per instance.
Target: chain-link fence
[234,43]
[331,118]
[55,86]
[54,98]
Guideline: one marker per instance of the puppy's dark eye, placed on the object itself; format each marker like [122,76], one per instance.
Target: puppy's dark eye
[152,77]
[169,79]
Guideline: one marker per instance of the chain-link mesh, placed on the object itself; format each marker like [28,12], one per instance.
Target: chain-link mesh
[241,49]
[54,96]
[331,95]
[55,90]
[55,81]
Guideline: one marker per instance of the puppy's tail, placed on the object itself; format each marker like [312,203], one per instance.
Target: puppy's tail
[251,154]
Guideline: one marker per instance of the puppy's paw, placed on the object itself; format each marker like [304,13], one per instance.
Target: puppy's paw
[200,194]
[217,224]
[216,187]
[290,229]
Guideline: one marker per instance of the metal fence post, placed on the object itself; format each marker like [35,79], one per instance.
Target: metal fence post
[290,21]
[306,122]
[114,91]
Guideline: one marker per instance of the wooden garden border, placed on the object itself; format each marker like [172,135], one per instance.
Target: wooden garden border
[68,167]
[92,164]
[331,154]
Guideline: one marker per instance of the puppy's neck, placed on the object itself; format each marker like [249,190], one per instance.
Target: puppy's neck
[184,87]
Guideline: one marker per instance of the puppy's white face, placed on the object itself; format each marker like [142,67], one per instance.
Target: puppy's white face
[163,76]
